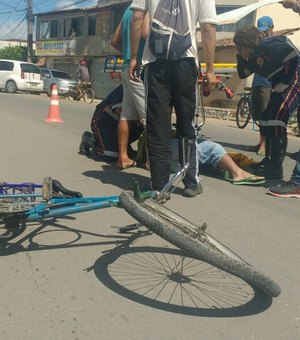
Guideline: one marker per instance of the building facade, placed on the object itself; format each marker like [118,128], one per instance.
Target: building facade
[65,37]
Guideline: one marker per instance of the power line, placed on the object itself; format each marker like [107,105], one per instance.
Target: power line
[13,29]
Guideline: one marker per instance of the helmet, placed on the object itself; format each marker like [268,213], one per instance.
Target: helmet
[82,63]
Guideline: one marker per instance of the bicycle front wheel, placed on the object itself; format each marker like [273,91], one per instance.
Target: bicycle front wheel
[243,113]
[195,241]
[89,95]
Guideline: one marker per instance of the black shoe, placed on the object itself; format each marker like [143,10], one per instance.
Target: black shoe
[87,143]
[288,189]
[273,171]
[262,164]
[193,191]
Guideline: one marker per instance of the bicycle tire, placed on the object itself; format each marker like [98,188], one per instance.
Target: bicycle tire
[243,113]
[68,95]
[181,233]
[89,95]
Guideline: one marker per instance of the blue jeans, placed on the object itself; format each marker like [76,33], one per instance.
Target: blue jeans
[296,173]
[208,153]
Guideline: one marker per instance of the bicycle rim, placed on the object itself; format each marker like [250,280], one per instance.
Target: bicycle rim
[196,243]
[242,113]
[88,96]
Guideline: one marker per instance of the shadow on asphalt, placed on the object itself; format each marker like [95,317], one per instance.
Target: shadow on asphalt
[161,278]
[112,175]
[167,280]
[41,239]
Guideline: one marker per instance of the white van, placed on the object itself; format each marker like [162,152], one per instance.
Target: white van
[20,76]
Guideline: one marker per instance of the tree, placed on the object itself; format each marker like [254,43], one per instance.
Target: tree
[15,53]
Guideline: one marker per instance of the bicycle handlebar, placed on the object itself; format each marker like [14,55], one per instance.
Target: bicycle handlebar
[221,87]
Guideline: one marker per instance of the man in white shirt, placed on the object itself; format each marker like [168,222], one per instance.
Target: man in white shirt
[172,83]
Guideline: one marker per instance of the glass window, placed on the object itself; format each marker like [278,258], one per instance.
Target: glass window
[92,25]
[118,14]
[48,29]
[248,20]
[73,27]
[6,65]
[30,68]
[61,75]
[46,74]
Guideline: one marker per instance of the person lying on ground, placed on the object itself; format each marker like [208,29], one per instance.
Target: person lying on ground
[213,158]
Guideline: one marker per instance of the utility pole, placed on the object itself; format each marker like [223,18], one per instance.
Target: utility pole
[29,31]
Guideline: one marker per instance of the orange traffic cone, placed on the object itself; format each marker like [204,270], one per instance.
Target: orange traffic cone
[53,112]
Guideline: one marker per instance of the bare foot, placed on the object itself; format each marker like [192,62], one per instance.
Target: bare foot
[243,175]
[126,165]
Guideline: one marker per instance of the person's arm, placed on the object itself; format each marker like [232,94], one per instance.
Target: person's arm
[145,27]
[116,40]
[135,36]
[208,34]
[243,67]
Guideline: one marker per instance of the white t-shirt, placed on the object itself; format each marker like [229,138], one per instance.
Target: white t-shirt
[202,11]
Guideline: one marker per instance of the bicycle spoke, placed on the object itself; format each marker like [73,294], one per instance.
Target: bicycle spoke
[179,280]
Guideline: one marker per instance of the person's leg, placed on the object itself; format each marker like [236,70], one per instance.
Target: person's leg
[127,114]
[211,153]
[123,161]
[275,123]
[158,122]
[290,188]
[259,102]
[184,77]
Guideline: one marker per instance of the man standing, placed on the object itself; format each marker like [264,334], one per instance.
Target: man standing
[261,90]
[172,83]
[277,59]
[290,188]
[134,92]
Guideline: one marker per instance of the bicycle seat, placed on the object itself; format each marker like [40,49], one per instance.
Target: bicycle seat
[57,188]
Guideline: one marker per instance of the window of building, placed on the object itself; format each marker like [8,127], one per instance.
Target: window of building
[248,20]
[92,25]
[73,27]
[118,14]
[48,29]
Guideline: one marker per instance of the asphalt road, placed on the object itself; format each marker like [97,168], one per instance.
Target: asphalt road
[78,278]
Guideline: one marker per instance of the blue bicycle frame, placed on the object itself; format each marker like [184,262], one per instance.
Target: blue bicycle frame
[58,207]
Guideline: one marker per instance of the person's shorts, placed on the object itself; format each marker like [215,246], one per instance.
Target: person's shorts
[259,101]
[134,106]
[208,153]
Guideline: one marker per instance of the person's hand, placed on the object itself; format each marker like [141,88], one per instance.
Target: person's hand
[289,3]
[212,79]
[134,70]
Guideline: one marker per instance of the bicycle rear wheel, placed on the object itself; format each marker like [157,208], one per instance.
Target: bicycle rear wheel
[195,241]
[89,95]
[243,113]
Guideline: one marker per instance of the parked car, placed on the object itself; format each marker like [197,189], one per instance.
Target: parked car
[18,75]
[62,79]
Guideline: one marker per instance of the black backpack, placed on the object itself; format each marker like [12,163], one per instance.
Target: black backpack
[170,35]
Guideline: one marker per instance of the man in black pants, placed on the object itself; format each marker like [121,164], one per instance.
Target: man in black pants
[171,82]
[277,59]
